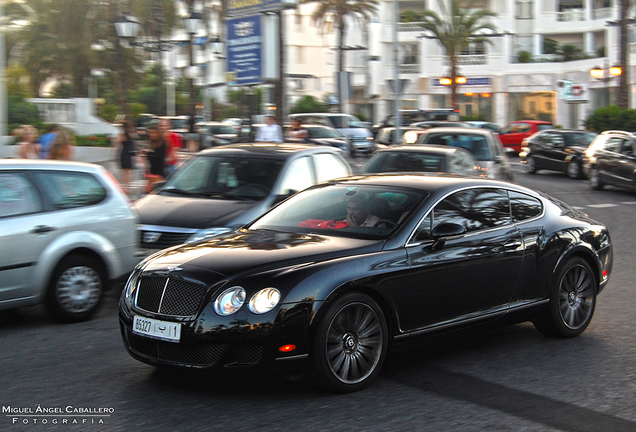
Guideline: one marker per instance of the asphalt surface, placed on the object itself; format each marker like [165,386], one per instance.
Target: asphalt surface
[508,379]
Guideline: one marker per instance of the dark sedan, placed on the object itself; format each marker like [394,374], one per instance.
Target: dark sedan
[327,281]
[611,160]
[421,159]
[557,150]
[225,187]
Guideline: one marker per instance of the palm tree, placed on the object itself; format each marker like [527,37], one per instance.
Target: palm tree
[455,30]
[337,10]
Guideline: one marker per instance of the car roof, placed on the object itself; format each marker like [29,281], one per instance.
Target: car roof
[428,148]
[433,183]
[47,164]
[457,130]
[278,151]
[531,121]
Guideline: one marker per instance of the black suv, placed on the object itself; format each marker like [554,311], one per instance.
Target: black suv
[611,160]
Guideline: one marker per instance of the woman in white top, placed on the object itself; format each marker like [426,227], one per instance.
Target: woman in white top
[27,136]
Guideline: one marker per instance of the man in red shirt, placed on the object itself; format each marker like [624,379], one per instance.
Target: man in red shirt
[173,143]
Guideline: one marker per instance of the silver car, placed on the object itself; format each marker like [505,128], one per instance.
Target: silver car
[483,144]
[67,231]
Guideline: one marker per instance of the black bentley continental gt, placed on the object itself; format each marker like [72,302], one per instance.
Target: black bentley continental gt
[334,276]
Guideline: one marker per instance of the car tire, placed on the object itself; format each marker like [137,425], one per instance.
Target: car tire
[572,300]
[76,288]
[574,169]
[595,179]
[531,165]
[350,344]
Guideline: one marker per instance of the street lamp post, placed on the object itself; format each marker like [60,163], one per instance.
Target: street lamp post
[605,75]
[191,24]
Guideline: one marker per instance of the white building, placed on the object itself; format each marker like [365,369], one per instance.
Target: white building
[500,88]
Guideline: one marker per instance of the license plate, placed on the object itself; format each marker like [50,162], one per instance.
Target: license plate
[164,330]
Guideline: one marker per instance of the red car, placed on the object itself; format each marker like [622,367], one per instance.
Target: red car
[514,132]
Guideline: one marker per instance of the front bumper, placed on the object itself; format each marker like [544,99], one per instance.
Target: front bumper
[240,341]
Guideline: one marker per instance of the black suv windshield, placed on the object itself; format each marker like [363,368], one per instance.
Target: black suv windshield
[225,177]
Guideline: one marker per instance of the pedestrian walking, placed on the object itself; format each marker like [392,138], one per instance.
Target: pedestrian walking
[125,146]
[271,132]
[46,140]
[297,133]
[173,142]
[62,147]
[156,156]
[28,147]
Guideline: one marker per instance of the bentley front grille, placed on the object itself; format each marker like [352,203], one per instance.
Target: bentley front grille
[202,355]
[169,296]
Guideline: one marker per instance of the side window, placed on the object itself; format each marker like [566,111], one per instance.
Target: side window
[475,209]
[524,206]
[628,147]
[17,196]
[613,144]
[71,189]
[297,176]
[329,167]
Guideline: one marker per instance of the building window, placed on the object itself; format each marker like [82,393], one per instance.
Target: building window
[298,19]
[476,48]
[409,53]
[300,54]
[524,9]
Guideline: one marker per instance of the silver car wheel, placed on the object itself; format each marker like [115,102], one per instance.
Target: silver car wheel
[531,166]
[595,179]
[354,343]
[576,297]
[78,289]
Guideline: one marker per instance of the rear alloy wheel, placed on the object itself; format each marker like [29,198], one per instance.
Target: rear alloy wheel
[531,166]
[595,180]
[76,288]
[350,344]
[574,169]
[572,300]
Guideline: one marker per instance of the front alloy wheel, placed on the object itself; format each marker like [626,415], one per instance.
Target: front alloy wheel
[572,302]
[595,179]
[574,169]
[350,344]
[531,166]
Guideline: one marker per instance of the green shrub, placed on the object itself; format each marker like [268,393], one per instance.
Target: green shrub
[308,104]
[525,57]
[99,140]
[21,112]
[612,118]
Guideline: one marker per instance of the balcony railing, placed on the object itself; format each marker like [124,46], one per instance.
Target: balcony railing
[409,68]
[410,27]
[571,15]
[603,13]
[470,60]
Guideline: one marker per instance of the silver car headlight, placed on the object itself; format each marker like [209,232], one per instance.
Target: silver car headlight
[264,301]
[207,233]
[229,301]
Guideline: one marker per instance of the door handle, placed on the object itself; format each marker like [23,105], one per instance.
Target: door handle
[41,229]
[512,244]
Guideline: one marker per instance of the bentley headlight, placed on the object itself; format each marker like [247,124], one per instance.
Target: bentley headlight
[264,301]
[229,301]
[131,283]
[208,233]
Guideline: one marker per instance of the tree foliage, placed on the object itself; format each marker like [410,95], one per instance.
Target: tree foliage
[308,104]
[336,12]
[612,117]
[456,29]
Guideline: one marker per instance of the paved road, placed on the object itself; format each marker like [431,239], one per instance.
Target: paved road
[510,379]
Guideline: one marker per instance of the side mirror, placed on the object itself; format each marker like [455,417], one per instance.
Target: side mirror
[446,231]
[283,197]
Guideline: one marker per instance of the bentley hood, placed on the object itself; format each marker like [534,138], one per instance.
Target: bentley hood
[241,251]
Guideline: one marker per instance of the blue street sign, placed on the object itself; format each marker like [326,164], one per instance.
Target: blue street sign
[244,45]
